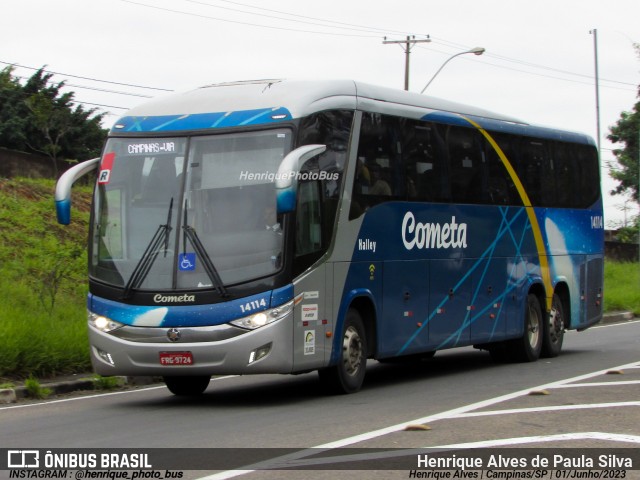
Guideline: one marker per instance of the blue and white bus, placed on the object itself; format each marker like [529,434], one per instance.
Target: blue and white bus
[290,226]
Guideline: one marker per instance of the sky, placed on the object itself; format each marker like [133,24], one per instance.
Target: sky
[539,63]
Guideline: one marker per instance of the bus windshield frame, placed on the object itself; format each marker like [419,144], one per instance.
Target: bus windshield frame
[210,199]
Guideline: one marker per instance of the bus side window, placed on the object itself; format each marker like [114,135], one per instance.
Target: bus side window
[308,228]
[378,171]
[535,172]
[501,189]
[466,161]
[588,175]
[564,170]
[333,129]
[308,225]
[424,162]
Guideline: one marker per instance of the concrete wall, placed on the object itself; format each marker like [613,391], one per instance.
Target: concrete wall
[21,164]
[623,252]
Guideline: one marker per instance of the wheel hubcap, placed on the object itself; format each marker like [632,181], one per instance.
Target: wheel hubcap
[352,351]
[556,325]
[534,327]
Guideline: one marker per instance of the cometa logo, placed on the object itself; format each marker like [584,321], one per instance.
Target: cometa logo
[158,298]
[433,235]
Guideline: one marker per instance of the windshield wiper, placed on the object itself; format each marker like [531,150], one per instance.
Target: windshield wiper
[149,256]
[209,267]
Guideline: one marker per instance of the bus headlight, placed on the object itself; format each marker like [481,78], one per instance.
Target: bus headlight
[265,317]
[103,323]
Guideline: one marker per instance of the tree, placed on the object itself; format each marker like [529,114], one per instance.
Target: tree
[12,111]
[37,117]
[53,122]
[627,131]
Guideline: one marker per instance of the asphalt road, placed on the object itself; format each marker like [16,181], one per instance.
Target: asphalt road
[461,395]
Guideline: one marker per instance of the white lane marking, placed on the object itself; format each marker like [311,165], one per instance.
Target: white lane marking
[599,384]
[552,408]
[453,413]
[288,462]
[629,322]
[99,395]
[64,400]
[503,442]
[464,409]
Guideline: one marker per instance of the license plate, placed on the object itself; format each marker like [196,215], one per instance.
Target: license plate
[176,359]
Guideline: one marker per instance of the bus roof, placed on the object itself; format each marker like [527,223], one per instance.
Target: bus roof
[258,102]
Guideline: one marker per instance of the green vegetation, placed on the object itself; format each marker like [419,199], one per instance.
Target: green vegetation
[107,383]
[43,281]
[625,133]
[35,390]
[37,117]
[622,286]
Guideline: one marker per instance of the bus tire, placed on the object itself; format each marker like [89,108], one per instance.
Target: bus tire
[187,386]
[528,347]
[553,329]
[347,375]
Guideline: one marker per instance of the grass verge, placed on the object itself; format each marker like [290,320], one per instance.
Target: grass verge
[622,286]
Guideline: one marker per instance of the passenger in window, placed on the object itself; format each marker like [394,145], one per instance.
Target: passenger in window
[378,185]
[410,186]
[363,177]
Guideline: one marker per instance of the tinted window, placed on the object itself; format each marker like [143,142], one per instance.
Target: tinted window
[413,160]
[425,162]
[588,173]
[500,188]
[534,170]
[564,169]
[379,175]
[318,199]
[466,165]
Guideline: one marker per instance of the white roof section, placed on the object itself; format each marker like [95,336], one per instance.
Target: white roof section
[302,97]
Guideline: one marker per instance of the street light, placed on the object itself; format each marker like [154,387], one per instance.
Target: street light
[475,51]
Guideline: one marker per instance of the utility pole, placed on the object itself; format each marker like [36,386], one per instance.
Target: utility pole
[594,32]
[408,43]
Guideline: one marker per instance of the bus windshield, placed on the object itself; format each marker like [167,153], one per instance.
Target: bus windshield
[180,213]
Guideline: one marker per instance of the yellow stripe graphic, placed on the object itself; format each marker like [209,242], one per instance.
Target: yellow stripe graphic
[533,220]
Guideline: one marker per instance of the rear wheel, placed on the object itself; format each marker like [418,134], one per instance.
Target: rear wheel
[553,329]
[187,386]
[348,375]
[528,347]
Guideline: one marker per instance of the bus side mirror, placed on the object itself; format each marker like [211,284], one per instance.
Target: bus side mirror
[286,178]
[63,188]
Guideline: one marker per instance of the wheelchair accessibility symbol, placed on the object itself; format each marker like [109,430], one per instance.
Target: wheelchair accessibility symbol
[187,262]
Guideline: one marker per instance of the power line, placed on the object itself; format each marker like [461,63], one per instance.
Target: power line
[369,29]
[554,77]
[84,87]
[99,105]
[351,26]
[238,22]
[529,64]
[86,78]
[107,91]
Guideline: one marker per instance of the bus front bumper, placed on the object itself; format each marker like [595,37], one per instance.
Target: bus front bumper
[135,351]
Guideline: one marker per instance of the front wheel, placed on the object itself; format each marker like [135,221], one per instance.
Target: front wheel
[187,386]
[348,375]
